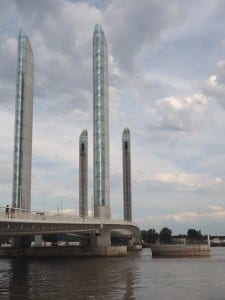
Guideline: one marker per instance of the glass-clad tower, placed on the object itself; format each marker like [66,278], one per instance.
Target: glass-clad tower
[23,124]
[101,124]
[83,174]
[126,148]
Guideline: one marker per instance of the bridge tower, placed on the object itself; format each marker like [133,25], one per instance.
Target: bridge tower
[83,174]
[23,124]
[126,148]
[101,124]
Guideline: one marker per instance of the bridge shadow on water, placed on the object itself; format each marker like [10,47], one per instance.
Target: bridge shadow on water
[71,278]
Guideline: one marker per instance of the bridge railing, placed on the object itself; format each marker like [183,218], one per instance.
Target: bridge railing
[17,214]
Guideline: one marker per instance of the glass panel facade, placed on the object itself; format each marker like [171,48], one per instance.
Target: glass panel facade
[101,120]
[23,124]
[126,175]
[83,174]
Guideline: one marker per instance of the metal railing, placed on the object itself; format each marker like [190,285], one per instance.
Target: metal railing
[17,214]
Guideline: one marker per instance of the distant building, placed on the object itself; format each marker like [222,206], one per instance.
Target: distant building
[126,148]
[216,240]
[83,174]
[21,197]
[101,124]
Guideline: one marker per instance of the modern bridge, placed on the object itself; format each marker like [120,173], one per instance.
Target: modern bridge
[21,223]
[24,223]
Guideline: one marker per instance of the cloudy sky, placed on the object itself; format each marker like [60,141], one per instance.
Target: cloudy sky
[166,83]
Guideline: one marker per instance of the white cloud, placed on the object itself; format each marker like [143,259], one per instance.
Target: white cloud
[215,84]
[180,217]
[176,178]
[137,26]
[216,207]
[189,219]
[212,80]
[172,113]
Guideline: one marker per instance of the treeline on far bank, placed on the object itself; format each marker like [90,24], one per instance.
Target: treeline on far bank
[165,236]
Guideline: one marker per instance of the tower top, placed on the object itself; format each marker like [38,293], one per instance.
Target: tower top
[98,27]
[126,133]
[84,133]
[126,130]
[22,33]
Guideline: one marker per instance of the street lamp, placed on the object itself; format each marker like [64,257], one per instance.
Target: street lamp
[60,204]
[20,196]
[44,200]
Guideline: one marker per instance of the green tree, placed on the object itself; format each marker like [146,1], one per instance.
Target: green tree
[165,235]
[144,235]
[149,236]
[152,236]
[194,234]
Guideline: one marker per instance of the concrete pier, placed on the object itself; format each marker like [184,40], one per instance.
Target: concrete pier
[64,251]
[180,250]
[101,240]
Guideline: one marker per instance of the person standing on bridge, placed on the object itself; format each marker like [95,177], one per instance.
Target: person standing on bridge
[7,210]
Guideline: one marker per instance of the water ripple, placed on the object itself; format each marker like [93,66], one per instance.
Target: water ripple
[137,276]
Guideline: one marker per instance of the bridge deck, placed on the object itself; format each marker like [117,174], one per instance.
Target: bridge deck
[21,222]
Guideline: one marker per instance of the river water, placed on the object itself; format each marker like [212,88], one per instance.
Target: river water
[137,276]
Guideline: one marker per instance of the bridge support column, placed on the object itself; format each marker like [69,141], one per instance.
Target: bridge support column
[38,240]
[104,239]
[100,245]
[101,240]
[131,242]
[132,245]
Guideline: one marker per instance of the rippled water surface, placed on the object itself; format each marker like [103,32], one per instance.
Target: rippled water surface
[137,276]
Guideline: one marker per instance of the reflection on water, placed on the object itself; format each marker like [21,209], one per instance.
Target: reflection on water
[137,276]
[18,280]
